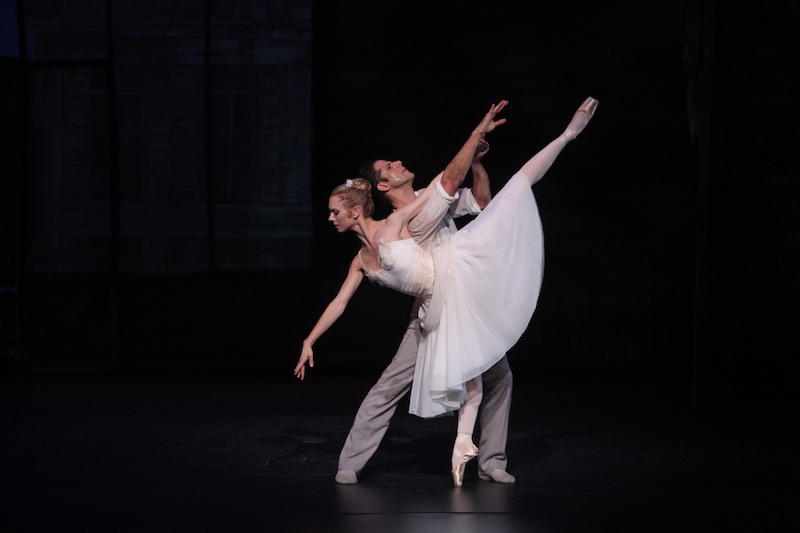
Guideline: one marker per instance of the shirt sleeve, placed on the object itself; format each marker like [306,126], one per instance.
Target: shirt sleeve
[465,204]
[426,223]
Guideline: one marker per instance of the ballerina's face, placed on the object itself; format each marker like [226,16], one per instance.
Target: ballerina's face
[393,172]
[339,215]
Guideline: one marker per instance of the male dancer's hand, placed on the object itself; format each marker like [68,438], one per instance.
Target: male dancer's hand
[489,123]
[455,172]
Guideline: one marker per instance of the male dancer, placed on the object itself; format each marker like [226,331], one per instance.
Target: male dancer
[394,182]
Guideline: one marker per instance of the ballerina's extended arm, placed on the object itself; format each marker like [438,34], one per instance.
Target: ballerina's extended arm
[334,310]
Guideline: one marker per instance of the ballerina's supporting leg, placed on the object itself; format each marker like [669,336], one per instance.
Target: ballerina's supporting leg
[538,165]
[464,449]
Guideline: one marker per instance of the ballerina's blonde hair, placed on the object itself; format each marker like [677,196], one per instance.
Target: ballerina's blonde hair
[356,191]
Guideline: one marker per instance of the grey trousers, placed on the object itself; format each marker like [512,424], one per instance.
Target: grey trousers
[375,412]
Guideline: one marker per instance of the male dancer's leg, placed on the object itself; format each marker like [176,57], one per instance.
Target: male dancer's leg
[372,418]
[495,411]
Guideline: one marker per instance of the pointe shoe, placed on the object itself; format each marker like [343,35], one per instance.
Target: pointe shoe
[458,470]
[498,476]
[581,119]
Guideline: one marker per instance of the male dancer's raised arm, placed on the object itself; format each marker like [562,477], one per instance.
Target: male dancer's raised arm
[455,172]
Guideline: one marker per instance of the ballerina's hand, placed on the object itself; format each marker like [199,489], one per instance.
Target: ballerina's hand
[488,123]
[306,356]
[481,150]
[581,118]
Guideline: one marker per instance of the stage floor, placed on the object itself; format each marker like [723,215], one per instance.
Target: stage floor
[257,451]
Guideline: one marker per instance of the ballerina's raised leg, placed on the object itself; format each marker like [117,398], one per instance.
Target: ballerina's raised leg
[538,165]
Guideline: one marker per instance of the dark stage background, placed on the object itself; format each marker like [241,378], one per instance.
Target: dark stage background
[167,165]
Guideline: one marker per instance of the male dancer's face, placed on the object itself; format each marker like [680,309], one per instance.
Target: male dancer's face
[393,172]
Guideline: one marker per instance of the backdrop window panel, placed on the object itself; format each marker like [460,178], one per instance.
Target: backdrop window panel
[66,30]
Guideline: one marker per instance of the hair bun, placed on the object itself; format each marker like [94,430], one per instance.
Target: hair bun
[356,191]
[361,184]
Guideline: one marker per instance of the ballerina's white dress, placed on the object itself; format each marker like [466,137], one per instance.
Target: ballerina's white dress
[478,290]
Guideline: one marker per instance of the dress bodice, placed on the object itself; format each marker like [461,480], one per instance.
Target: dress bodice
[405,267]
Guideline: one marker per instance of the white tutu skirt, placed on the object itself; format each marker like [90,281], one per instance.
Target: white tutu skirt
[488,278]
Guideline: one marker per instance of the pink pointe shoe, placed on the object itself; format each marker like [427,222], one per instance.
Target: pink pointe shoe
[460,460]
